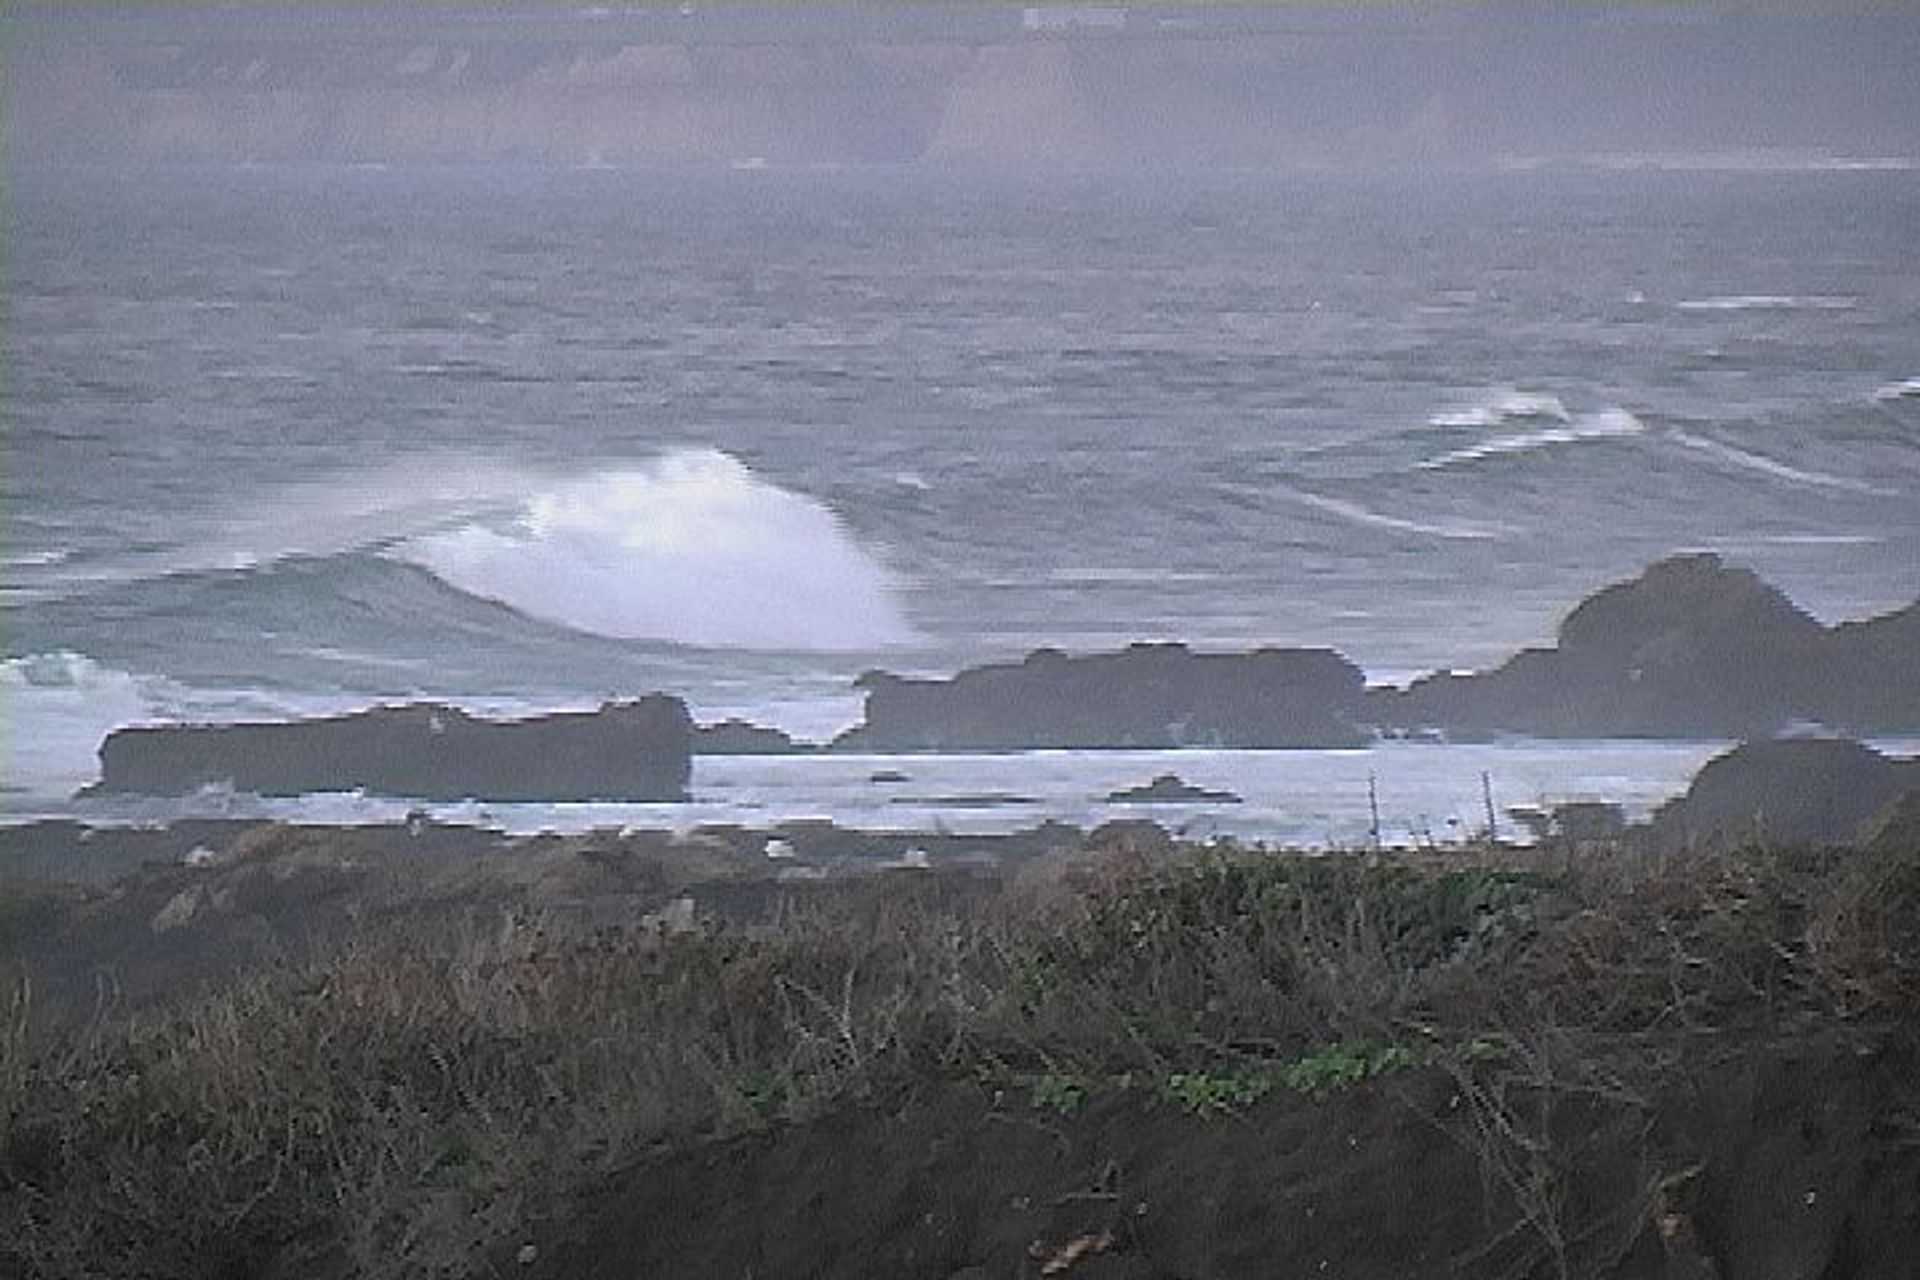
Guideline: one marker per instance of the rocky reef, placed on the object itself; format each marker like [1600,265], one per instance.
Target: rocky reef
[639,750]
[1693,647]
[736,737]
[1170,788]
[1145,696]
[1792,790]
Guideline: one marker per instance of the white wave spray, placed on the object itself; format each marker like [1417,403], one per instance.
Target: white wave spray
[693,549]
[1608,424]
[1769,302]
[1503,405]
[58,707]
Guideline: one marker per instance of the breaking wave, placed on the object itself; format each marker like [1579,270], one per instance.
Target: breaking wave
[694,549]
[1905,389]
[1501,406]
[1608,424]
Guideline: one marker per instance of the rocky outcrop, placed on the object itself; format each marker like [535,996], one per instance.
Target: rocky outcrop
[744,738]
[633,751]
[1693,647]
[1798,790]
[1146,696]
[1871,676]
[1170,788]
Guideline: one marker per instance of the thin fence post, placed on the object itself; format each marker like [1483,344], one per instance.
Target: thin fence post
[1373,806]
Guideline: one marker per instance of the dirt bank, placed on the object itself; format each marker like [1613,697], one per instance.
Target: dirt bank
[1788,1163]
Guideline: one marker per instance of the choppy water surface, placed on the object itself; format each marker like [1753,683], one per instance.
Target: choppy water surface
[287,440]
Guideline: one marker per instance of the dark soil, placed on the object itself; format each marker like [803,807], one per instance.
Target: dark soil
[1788,1164]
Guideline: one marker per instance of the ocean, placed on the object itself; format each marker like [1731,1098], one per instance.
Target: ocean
[297,439]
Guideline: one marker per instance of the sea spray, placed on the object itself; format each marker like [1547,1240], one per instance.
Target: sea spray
[693,549]
[1503,405]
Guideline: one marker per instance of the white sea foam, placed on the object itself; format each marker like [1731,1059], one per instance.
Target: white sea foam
[36,559]
[1608,424]
[62,674]
[1905,389]
[1503,405]
[1751,461]
[1294,797]
[58,707]
[694,549]
[1770,302]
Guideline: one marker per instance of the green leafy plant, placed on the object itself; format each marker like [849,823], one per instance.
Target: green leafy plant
[1342,1066]
[1206,1093]
[1060,1092]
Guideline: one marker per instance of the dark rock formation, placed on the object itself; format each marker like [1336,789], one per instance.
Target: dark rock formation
[1159,695]
[1169,788]
[1870,679]
[636,751]
[1811,790]
[1577,822]
[744,738]
[1691,648]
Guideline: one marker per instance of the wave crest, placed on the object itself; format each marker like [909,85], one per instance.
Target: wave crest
[1770,302]
[1608,424]
[1501,406]
[694,549]
[1748,460]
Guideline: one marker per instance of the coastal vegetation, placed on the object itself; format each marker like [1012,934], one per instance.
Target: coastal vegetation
[464,1090]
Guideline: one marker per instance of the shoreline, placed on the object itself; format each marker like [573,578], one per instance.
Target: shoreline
[1290,796]
[1294,798]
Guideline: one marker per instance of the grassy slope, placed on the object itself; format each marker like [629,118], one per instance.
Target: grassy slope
[419,1101]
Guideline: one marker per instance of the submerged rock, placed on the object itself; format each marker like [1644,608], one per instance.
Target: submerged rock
[633,751]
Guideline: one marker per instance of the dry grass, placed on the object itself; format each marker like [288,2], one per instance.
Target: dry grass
[400,1108]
